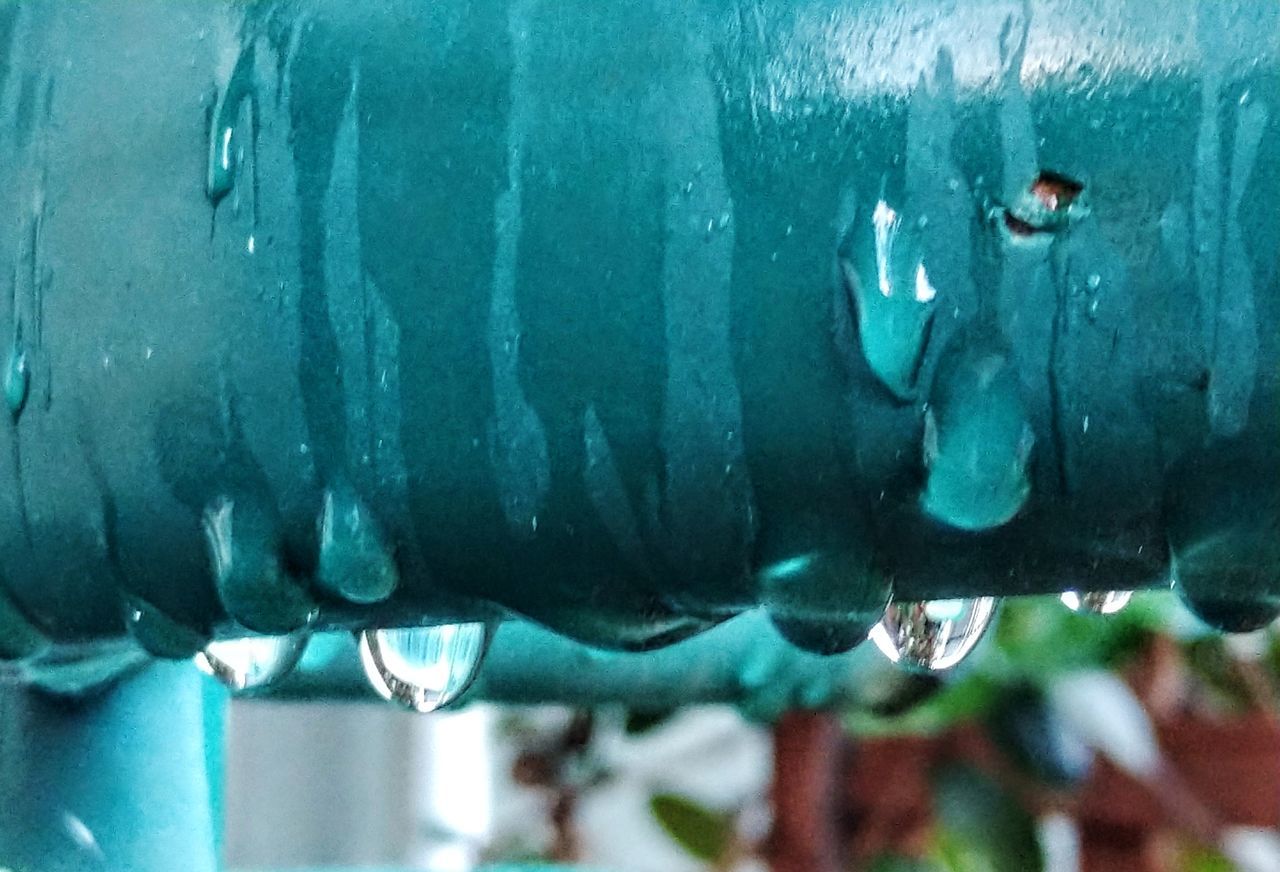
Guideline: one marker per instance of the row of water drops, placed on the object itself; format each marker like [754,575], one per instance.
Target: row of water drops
[421,668]
[427,668]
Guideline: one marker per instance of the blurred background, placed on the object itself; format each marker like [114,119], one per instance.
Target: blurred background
[1135,741]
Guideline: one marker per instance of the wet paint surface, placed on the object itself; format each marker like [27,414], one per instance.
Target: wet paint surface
[626,319]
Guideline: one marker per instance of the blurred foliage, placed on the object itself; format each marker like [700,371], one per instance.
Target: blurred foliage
[1036,740]
[979,827]
[1034,689]
[947,705]
[703,833]
[1196,858]
[1040,637]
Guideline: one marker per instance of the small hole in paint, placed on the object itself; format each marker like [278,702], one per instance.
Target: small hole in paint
[1056,191]
[1018,227]
[1047,206]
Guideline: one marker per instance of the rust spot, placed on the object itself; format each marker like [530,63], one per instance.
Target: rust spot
[1056,191]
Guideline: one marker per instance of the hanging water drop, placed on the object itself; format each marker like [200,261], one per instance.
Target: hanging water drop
[423,668]
[932,636]
[255,588]
[224,138]
[882,265]
[356,561]
[17,382]
[1097,602]
[159,634]
[252,662]
[977,439]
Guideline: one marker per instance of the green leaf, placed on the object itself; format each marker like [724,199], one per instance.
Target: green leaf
[980,828]
[1039,636]
[703,833]
[1197,858]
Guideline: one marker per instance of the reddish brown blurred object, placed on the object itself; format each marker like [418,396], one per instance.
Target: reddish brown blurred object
[807,766]
[1224,770]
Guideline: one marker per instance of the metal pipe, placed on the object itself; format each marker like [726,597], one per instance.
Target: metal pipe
[628,317]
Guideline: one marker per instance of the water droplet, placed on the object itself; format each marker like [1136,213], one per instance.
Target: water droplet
[932,636]
[83,837]
[224,139]
[1097,602]
[252,662]
[424,668]
[891,291]
[977,442]
[1094,281]
[356,562]
[1221,515]
[17,382]
[818,585]
[250,244]
[158,634]
[243,545]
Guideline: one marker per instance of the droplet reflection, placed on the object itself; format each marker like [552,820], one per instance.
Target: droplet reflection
[1097,602]
[423,668]
[932,636]
[251,662]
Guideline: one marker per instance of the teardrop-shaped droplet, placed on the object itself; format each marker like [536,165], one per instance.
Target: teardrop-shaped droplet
[252,662]
[159,634]
[1104,602]
[977,438]
[224,137]
[253,584]
[17,382]
[1222,511]
[891,292]
[818,583]
[932,636]
[424,668]
[356,562]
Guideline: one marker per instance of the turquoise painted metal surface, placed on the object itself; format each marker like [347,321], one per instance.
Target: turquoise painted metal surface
[126,780]
[623,318]
[627,318]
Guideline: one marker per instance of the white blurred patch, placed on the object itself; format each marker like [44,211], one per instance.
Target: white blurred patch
[1060,843]
[1251,849]
[1104,714]
[710,755]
